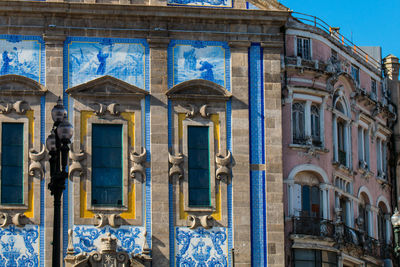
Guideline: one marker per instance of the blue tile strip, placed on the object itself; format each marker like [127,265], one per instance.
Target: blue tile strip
[171,196]
[257,156]
[229,189]
[148,171]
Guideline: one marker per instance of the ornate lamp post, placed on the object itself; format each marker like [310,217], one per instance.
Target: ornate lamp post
[396,229]
[57,144]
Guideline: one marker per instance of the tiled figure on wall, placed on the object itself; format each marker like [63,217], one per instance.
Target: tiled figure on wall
[20,57]
[92,59]
[209,3]
[198,60]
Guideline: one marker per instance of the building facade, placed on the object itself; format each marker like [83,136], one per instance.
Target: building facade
[338,119]
[176,153]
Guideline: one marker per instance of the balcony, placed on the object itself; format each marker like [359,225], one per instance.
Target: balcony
[340,236]
[313,226]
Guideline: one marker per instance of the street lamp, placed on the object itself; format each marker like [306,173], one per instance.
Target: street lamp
[57,144]
[396,229]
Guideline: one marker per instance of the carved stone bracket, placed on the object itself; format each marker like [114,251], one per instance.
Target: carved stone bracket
[101,109]
[223,165]
[138,161]
[76,165]
[20,107]
[18,219]
[194,111]
[36,157]
[114,220]
[175,167]
[206,221]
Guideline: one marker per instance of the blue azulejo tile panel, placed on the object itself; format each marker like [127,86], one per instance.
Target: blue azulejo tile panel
[90,58]
[87,238]
[19,246]
[202,3]
[22,55]
[206,60]
[201,247]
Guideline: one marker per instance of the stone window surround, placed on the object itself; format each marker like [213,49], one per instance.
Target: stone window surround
[210,124]
[125,164]
[364,138]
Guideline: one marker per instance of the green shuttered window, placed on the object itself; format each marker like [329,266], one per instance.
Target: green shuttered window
[107,164]
[12,151]
[199,166]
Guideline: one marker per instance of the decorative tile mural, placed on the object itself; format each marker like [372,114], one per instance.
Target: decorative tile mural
[201,247]
[190,60]
[19,246]
[205,3]
[86,238]
[22,55]
[90,58]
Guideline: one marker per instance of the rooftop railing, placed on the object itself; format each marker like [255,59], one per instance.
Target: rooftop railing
[334,32]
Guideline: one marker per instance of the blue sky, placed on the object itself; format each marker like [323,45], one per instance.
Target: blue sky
[367,23]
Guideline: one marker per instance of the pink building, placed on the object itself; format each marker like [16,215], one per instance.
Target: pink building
[337,127]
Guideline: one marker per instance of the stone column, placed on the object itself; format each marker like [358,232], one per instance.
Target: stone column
[54,44]
[273,153]
[307,119]
[159,150]
[240,174]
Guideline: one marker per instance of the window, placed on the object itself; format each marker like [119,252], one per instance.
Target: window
[12,151]
[199,166]
[341,131]
[298,123]
[341,142]
[363,148]
[306,123]
[314,258]
[355,73]
[107,164]
[303,48]
[373,89]
[334,54]
[310,204]
[381,226]
[381,158]
[365,214]
[315,125]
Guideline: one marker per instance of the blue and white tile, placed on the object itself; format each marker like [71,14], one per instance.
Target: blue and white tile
[199,60]
[89,60]
[87,238]
[201,247]
[21,57]
[19,246]
[205,3]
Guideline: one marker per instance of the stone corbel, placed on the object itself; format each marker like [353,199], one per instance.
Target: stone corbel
[18,219]
[192,111]
[20,107]
[206,221]
[175,168]
[138,161]
[36,158]
[203,111]
[114,220]
[101,109]
[76,165]
[223,165]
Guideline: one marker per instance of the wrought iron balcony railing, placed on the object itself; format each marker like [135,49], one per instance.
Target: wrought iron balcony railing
[313,226]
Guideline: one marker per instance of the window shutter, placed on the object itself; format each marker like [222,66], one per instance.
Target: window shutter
[297,199]
[12,140]
[107,164]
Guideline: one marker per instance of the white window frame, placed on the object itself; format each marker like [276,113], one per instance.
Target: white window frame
[363,147]
[357,78]
[347,131]
[308,101]
[302,41]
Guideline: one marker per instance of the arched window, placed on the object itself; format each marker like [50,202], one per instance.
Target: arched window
[364,215]
[341,131]
[298,123]
[315,125]
[384,228]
